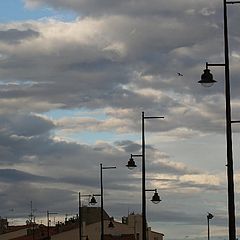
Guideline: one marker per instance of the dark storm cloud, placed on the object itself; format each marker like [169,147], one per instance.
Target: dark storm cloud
[14,36]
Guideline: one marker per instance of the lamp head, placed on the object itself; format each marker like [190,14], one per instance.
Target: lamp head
[155,198]
[93,201]
[210,216]
[131,163]
[207,78]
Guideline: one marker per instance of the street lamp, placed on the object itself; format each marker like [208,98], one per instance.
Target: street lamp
[209,216]
[207,80]
[93,200]
[80,212]
[101,180]
[131,165]
[48,220]
[155,198]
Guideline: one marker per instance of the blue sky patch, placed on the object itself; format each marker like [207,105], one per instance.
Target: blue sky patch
[14,10]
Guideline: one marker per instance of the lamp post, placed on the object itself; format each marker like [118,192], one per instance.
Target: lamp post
[80,213]
[131,164]
[48,220]
[101,181]
[155,198]
[209,216]
[207,80]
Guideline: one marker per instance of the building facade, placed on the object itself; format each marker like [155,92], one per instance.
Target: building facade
[130,228]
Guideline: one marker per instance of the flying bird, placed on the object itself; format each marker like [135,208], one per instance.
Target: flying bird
[179,74]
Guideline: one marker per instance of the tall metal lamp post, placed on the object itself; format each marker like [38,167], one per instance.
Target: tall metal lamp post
[131,164]
[209,216]
[207,80]
[48,221]
[94,200]
[80,213]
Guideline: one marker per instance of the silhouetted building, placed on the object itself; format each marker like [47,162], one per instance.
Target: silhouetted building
[129,229]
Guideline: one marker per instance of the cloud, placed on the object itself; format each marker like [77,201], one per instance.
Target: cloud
[106,7]
[61,200]
[15,36]
[129,146]
[118,58]
[28,125]
[14,176]
[32,160]
[77,60]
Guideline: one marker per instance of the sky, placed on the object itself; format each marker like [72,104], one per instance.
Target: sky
[75,77]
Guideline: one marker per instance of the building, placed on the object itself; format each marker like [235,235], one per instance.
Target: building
[30,231]
[130,228]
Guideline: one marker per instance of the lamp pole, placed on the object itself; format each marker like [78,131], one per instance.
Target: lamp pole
[48,220]
[209,216]
[80,213]
[101,181]
[207,80]
[80,216]
[144,222]
[131,164]
[230,174]
[48,235]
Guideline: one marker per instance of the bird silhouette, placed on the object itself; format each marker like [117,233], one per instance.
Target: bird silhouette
[179,74]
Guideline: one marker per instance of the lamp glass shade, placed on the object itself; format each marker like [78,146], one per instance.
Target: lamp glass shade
[131,164]
[93,201]
[156,199]
[210,216]
[207,78]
